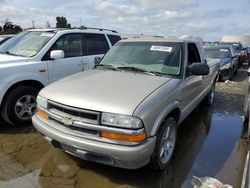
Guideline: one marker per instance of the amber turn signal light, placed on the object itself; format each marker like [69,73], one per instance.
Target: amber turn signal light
[124,137]
[42,114]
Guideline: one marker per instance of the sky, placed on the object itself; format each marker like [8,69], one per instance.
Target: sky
[209,19]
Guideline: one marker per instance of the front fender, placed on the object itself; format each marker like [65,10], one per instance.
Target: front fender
[163,114]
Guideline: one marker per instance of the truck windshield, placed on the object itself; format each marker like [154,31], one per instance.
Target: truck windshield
[155,57]
[217,53]
[26,44]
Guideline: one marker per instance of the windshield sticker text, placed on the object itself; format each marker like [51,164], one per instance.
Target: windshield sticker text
[161,48]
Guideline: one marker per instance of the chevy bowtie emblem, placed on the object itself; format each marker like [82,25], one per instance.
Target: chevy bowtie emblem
[67,121]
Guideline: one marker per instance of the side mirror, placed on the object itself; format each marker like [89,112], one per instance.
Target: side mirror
[97,60]
[199,69]
[57,54]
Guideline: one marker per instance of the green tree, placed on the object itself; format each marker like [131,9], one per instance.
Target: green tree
[61,22]
[10,28]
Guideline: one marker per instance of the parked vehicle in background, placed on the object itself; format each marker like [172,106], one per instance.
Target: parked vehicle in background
[237,47]
[226,57]
[35,58]
[4,38]
[125,113]
[245,55]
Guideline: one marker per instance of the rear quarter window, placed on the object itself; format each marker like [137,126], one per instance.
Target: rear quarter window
[95,44]
[114,39]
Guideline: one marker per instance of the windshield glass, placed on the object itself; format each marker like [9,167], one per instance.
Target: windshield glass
[217,53]
[236,46]
[157,57]
[26,44]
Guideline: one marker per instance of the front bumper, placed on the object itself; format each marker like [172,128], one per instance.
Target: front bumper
[131,157]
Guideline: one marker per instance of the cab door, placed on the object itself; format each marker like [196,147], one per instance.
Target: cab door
[192,85]
[72,46]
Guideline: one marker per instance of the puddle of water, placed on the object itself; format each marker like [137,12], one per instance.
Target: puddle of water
[222,147]
[207,143]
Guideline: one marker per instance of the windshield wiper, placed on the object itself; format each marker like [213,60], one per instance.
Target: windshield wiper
[107,66]
[136,69]
[9,53]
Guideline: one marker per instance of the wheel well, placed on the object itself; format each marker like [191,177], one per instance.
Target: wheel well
[30,83]
[175,113]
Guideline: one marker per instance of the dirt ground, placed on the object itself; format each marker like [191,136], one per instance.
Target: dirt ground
[212,142]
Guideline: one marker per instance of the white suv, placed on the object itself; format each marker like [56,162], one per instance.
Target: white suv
[35,58]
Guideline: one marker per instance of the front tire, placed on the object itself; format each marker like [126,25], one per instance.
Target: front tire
[165,145]
[209,99]
[19,105]
[231,74]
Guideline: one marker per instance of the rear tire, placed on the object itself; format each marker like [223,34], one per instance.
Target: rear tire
[19,105]
[165,145]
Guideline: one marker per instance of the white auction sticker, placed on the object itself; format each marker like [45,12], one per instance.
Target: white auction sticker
[47,35]
[161,48]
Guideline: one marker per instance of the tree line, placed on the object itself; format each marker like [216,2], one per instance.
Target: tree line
[9,28]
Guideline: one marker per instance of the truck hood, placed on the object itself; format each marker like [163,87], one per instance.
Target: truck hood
[104,90]
[6,60]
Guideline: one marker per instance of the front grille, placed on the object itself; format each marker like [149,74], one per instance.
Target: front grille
[76,114]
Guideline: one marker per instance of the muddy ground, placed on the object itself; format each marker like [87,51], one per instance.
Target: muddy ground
[212,142]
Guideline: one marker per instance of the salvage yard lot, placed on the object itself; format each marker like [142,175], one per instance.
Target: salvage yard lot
[211,143]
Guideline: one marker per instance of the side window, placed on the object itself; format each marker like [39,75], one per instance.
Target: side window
[193,54]
[114,39]
[95,44]
[71,44]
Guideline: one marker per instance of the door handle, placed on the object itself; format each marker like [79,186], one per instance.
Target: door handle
[42,70]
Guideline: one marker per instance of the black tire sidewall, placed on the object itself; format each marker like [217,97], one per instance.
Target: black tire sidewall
[8,109]
[155,160]
[231,74]
[207,101]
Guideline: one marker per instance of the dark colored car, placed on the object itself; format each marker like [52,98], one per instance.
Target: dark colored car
[238,47]
[226,57]
[245,55]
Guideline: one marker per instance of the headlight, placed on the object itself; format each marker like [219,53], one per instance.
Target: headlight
[226,66]
[121,121]
[41,101]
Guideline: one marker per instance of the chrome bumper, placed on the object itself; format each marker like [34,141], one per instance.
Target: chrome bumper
[131,157]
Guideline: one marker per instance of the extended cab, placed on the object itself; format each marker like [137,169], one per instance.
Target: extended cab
[35,58]
[125,112]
